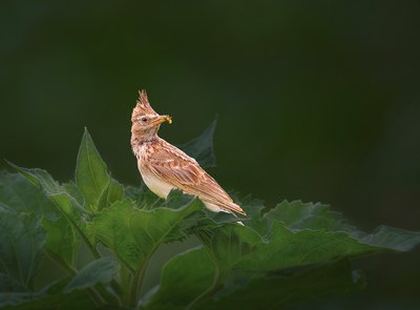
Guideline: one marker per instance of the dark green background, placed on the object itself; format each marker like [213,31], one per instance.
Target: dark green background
[317,100]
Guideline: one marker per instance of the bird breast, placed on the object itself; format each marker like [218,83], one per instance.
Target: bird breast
[154,183]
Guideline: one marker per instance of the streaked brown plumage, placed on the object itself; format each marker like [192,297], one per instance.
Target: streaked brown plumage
[164,167]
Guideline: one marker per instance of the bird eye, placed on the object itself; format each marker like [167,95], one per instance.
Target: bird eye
[144,119]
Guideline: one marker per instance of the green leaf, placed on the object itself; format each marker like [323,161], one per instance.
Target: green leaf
[201,148]
[255,252]
[176,199]
[41,300]
[285,249]
[293,252]
[143,197]
[274,291]
[113,192]
[101,270]
[38,177]
[8,284]
[17,298]
[298,216]
[19,194]
[21,241]
[184,278]
[134,234]
[75,218]
[392,238]
[24,193]
[72,189]
[180,288]
[52,296]
[92,176]
[62,239]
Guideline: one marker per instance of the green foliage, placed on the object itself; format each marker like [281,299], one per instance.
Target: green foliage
[21,243]
[101,270]
[132,233]
[101,237]
[92,176]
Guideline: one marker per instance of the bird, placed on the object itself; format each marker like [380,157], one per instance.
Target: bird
[164,167]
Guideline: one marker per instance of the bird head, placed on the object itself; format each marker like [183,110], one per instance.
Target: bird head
[146,121]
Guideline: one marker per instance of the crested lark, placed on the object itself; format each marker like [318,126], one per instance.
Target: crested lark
[164,167]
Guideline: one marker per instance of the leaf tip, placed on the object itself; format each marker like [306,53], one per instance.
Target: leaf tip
[86,132]
[11,165]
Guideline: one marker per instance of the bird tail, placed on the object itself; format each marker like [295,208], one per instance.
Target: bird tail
[233,208]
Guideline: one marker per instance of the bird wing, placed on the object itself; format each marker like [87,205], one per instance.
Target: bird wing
[180,170]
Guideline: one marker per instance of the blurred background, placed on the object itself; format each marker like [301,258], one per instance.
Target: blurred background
[316,100]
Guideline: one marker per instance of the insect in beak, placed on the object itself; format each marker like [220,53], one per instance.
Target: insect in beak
[163,118]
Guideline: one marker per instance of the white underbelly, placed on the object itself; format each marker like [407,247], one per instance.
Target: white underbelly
[212,207]
[156,185]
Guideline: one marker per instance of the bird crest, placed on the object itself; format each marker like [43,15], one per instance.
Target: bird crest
[143,106]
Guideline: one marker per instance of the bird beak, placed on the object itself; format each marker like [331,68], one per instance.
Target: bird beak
[163,118]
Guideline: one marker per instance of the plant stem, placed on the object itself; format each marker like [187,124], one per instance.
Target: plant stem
[92,249]
[137,282]
[138,277]
[115,285]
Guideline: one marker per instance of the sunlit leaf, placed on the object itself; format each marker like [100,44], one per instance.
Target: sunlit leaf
[113,192]
[72,189]
[134,234]
[92,176]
